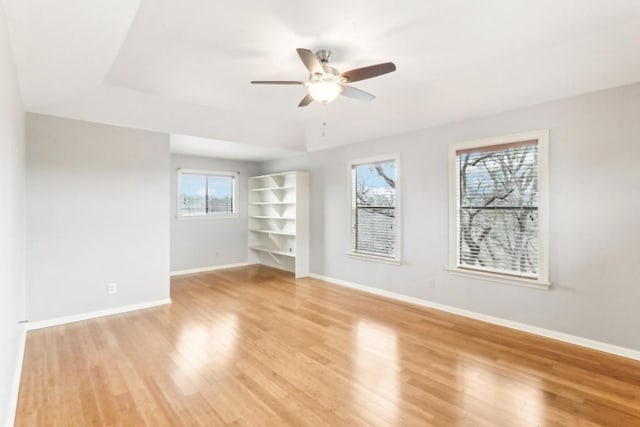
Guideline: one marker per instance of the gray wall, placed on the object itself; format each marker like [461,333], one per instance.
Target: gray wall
[207,242]
[97,206]
[12,227]
[594,226]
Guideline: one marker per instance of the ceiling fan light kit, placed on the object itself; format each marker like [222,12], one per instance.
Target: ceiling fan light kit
[325,83]
[324,91]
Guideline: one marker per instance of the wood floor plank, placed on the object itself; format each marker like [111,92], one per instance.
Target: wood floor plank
[253,346]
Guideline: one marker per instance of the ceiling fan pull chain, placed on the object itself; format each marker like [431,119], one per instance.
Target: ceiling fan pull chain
[324,119]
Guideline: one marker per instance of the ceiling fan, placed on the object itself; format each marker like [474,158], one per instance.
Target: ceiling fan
[326,83]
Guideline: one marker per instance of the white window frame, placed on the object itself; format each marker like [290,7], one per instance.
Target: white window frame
[542,282]
[395,157]
[233,175]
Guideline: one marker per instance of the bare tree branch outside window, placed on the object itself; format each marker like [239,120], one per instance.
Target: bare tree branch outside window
[498,209]
[373,209]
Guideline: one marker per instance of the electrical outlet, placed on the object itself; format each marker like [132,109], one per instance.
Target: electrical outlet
[432,283]
[112,288]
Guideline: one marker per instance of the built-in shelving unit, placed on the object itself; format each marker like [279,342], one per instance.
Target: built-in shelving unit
[283,233]
[279,221]
[272,251]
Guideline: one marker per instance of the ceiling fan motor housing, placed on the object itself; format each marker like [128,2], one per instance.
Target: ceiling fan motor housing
[324,55]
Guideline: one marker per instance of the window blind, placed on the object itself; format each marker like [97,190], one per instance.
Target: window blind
[373,209]
[497,208]
[202,194]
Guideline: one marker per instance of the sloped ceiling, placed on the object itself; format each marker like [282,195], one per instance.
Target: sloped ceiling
[184,67]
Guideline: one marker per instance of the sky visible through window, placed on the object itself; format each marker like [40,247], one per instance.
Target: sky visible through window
[498,210]
[202,194]
[373,213]
[368,177]
[195,185]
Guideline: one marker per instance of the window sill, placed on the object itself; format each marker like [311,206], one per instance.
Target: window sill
[373,258]
[219,216]
[500,278]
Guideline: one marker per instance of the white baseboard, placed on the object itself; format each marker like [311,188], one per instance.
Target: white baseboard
[210,268]
[15,386]
[560,336]
[30,326]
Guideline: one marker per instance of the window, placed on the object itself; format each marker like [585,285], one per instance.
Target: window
[498,208]
[374,208]
[206,193]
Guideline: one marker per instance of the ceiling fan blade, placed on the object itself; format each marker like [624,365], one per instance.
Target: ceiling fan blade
[308,99]
[276,82]
[355,93]
[368,72]
[311,61]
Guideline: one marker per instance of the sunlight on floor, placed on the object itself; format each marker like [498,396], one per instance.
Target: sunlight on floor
[200,347]
[376,369]
[484,386]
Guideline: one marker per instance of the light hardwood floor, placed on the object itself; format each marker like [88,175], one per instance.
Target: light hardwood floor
[252,346]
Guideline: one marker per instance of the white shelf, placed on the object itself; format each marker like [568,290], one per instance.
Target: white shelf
[273,251]
[272,217]
[273,203]
[271,175]
[283,233]
[288,187]
[280,197]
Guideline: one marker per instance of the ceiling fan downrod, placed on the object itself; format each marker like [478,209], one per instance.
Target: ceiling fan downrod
[324,55]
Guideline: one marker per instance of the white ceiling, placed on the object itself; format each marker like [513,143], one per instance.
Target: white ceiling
[184,67]
[196,146]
